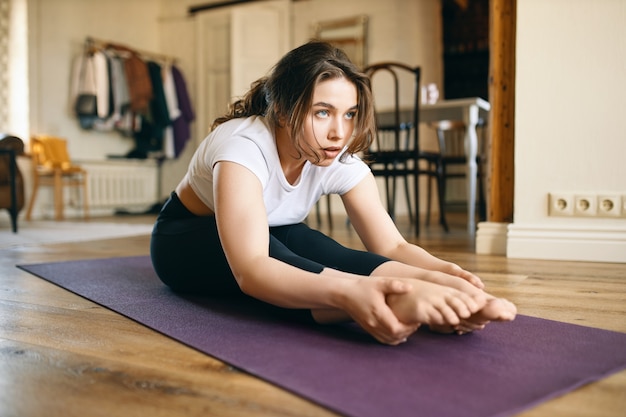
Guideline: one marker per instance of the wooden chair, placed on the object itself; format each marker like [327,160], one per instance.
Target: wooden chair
[52,167]
[451,142]
[11,181]
[396,151]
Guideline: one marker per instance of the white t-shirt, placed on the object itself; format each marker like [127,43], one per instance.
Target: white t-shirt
[251,143]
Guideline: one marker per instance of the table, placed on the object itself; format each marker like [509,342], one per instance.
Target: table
[470,111]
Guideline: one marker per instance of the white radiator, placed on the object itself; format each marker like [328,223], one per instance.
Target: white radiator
[124,184]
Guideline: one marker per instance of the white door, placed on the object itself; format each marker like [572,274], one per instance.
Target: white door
[260,37]
[213,68]
[236,45]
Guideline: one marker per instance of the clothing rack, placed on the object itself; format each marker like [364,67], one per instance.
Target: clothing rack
[91,42]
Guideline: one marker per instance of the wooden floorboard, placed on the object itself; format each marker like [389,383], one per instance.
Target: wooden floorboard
[61,355]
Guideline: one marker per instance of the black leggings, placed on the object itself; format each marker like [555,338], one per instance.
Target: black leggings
[187,254]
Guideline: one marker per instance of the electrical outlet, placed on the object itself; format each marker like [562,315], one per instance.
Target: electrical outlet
[585,205]
[609,205]
[561,204]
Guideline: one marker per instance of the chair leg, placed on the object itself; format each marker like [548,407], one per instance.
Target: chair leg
[329,214]
[85,198]
[391,196]
[482,203]
[13,183]
[33,196]
[416,192]
[58,195]
[429,178]
[441,188]
[13,213]
[407,194]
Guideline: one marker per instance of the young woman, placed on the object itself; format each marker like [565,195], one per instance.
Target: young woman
[235,222]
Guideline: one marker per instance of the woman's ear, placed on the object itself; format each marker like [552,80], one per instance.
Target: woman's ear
[281,118]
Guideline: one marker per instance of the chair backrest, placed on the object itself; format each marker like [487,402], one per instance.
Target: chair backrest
[450,136]
[50,152]
[400,118]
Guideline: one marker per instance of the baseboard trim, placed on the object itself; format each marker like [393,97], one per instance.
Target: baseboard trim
[491,238]
[567,243]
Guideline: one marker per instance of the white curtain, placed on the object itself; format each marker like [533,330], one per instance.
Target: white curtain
[5,14]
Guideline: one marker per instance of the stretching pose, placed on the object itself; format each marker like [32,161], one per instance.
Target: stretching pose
[235,221]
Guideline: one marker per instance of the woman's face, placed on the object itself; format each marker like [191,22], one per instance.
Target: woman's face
[330,122]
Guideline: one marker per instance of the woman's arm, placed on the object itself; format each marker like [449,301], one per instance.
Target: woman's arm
[380,235]
[244,233]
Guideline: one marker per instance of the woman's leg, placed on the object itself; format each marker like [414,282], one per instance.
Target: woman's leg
[317,247]
[186,252]
[187,256]
[427,303]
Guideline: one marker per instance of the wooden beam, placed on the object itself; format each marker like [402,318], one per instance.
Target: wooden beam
[214,5]
[502,18]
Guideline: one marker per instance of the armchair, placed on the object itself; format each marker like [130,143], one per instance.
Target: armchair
[11,180]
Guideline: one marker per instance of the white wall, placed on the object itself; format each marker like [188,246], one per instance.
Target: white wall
[569,137]
[399,30]
[408,31]
[571,84]
[58,29]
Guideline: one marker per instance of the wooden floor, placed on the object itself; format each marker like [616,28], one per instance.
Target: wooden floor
[64,356]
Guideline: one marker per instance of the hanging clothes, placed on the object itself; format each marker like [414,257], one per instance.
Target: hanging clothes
[150,138]
[172,107]
[90,77]
[119,87]
[181,125]
[101,69]
[137,97]
[139,84]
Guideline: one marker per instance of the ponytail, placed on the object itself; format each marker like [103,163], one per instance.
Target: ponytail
[254,103]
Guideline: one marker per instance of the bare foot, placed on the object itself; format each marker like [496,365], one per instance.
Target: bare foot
[496,309]
[434,304]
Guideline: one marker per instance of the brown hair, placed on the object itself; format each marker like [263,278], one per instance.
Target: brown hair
[285,96]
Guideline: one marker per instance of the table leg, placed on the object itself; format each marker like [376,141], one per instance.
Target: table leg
[470,117]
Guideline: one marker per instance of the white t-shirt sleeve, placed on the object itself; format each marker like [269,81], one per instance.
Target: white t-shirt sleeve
[242,151]
[231,141]
[346,175]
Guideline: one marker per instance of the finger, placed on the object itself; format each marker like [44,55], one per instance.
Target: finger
[393,340]
[467,329]
[473,279]
[469,325]
[386,322]
[395,286]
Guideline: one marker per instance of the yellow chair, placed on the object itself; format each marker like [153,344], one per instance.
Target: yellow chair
[52,167]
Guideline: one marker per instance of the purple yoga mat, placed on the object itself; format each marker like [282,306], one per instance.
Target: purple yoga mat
[499,371]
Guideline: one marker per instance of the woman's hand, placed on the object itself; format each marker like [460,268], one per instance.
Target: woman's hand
[365,302]
[455,270]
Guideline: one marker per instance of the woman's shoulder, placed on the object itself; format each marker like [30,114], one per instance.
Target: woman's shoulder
[243,126]
[241,140]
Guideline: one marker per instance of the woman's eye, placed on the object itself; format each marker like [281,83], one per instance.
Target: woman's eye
[321,113]
[351,115]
